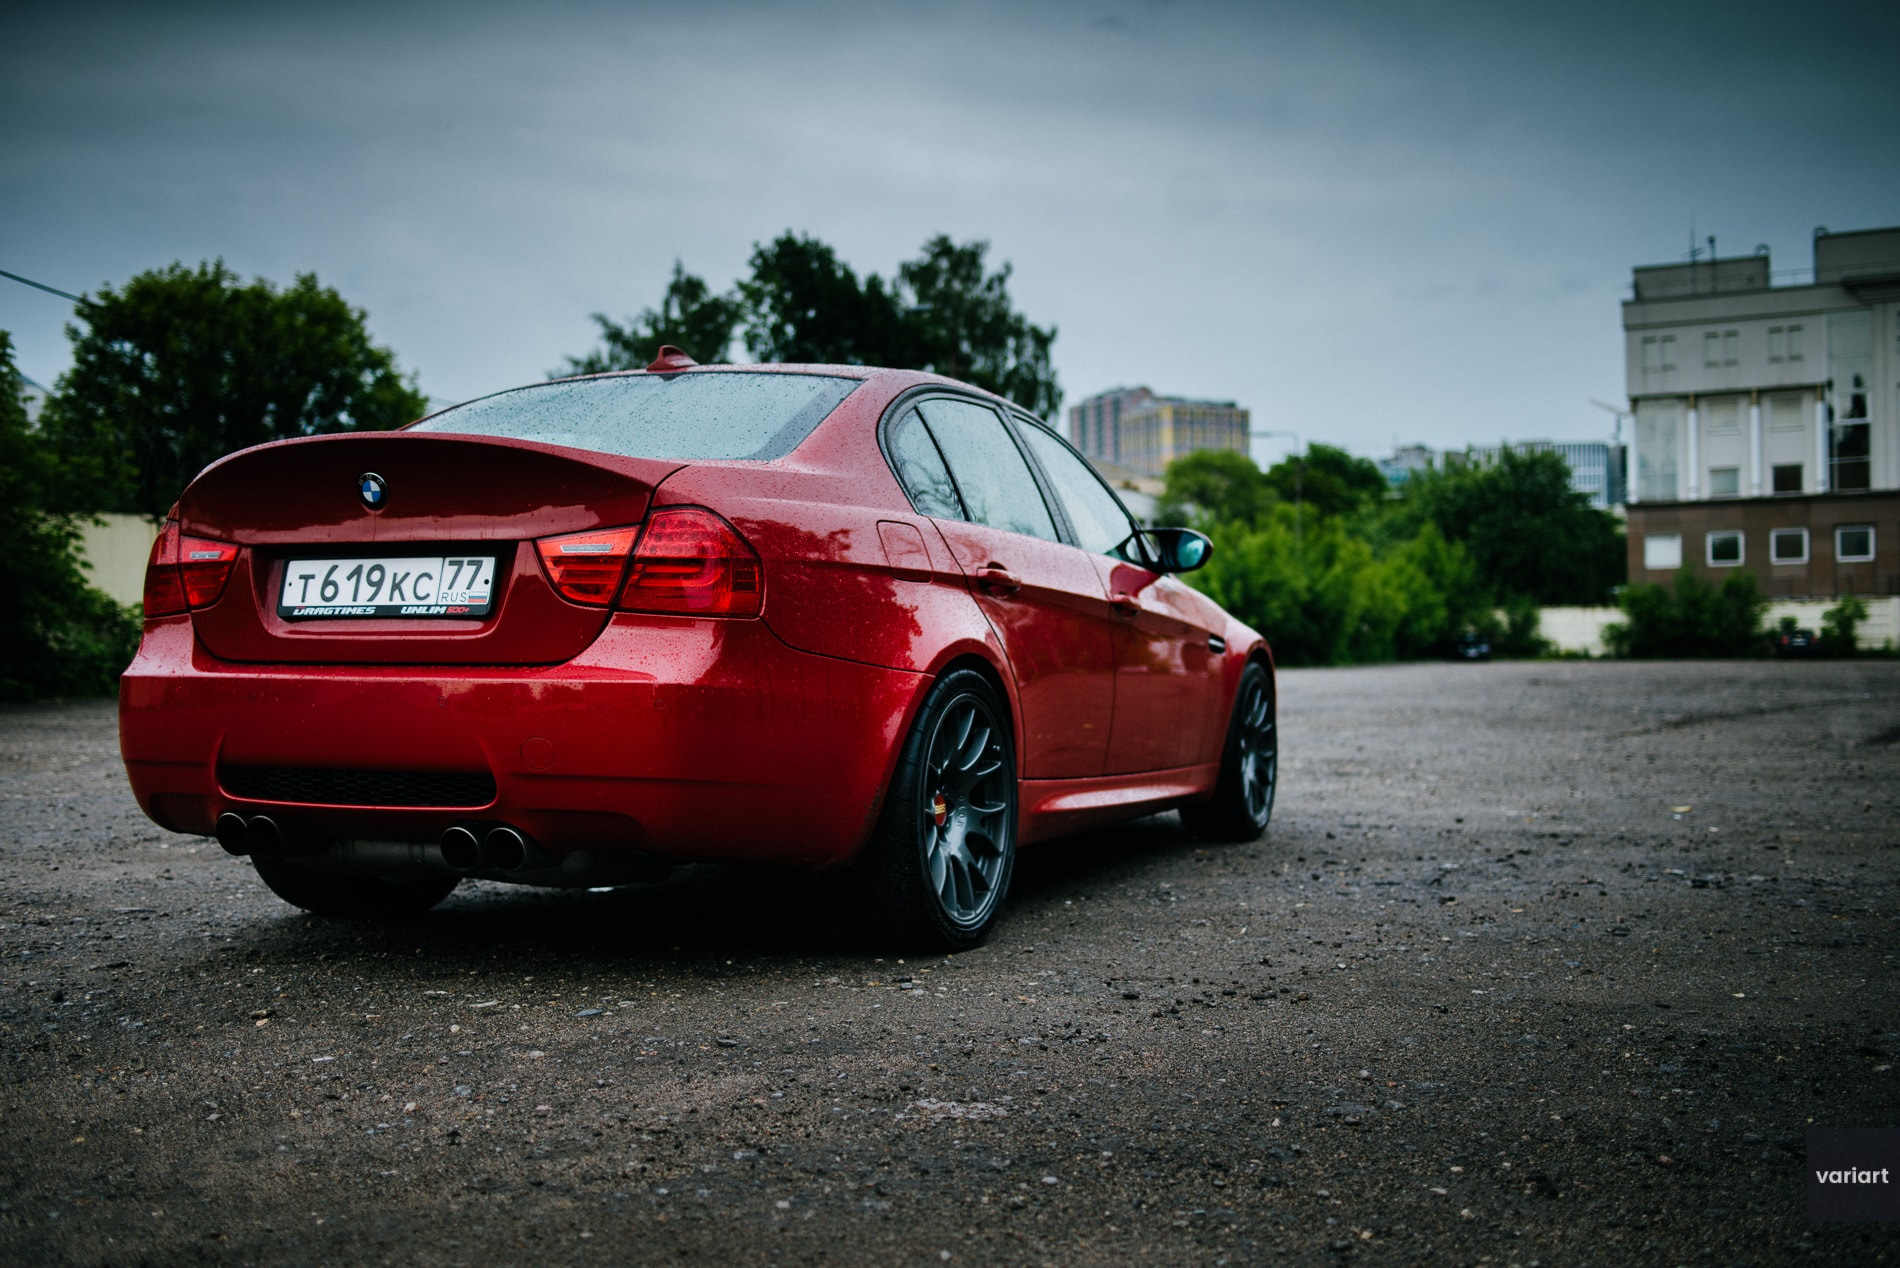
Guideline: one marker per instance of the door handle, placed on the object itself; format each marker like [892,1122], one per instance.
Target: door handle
[997,580]
[1124,604]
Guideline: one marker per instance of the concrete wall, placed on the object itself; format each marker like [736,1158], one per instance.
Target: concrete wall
[117,551]
[1581,629]
[1576,629]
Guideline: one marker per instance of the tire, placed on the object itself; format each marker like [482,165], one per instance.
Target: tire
[1249,770]
[350,897]
[940,860]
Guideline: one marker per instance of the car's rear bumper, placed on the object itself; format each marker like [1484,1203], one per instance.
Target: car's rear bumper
[686,739]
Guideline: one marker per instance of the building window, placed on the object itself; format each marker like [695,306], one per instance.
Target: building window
[1725,482]
[1731,347]
[1723,415]
[1787,477]
[1784,343]
[1853,468]
[1725,549]
[1656,429]
[1788,411]
[1712,349]
[1662,551]
[1788,546]
[1854,543]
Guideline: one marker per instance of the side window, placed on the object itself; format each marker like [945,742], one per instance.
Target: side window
[1101,525]
[990,471]
[920,469]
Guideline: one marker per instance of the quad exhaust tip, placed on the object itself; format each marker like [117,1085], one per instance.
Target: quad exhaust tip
[505,849]
[469,848]
[260,834]
[461,849]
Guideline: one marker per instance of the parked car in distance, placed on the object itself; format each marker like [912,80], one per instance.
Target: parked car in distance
[574,633]
[1791,641]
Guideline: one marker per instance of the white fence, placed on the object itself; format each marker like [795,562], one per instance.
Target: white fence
[117,551]
[1581,629]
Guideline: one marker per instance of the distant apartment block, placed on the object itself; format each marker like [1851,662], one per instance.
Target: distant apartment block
[1139,431]
[1766,432]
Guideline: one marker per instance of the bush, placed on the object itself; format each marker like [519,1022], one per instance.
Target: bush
[1840,627]
[1691,619]
[58,636]
[1323,597]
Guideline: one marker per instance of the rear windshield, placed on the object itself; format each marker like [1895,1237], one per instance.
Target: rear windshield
[726,414]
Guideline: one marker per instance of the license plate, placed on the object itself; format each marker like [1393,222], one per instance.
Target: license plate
[415,585]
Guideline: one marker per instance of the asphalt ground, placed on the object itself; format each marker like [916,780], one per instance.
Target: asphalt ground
[1540,963]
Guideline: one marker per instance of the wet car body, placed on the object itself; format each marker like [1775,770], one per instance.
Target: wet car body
[577,742]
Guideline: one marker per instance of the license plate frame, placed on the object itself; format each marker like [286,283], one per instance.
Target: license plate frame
[460,585]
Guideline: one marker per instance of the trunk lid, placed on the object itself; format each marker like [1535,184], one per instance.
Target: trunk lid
[444,494]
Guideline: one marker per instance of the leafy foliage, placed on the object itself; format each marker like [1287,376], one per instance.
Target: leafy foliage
[58,636]
[1691,619]
[803,304]
[1527,531]
[1840,627]
[1215,486]
[1324,597]
[1316,555]
[942,312]
[1330,481]
[958,321]
[690,317]
[182,366]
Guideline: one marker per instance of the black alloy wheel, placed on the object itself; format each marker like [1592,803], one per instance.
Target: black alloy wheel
[940,861]
[1242,802]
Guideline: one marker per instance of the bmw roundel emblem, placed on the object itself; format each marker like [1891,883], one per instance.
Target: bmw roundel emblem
[370,487]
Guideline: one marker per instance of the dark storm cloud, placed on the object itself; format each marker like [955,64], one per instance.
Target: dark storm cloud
[1368,222]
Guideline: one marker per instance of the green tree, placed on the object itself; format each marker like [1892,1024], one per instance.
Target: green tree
[58,636]
[1529,534]
[1323,596]
[959,322]
[181,366]
[690,317]
[1327,481]
[1214,485]
[804,304]
[942,313]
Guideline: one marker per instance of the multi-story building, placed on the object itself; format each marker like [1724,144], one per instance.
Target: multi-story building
[1766,432]
[1137,430]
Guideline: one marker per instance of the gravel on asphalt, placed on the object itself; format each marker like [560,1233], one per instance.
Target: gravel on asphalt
[1539,963]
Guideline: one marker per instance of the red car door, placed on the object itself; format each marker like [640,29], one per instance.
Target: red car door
[1043,598]
[1167,676]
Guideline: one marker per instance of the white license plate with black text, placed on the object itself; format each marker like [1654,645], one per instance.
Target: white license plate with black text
[421,585]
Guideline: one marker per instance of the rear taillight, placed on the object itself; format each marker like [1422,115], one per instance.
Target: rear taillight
[587,567]
[185,572]
[690,562]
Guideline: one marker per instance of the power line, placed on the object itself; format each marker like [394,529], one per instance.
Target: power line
[41,286]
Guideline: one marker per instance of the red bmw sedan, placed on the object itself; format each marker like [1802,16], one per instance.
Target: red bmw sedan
[574,633]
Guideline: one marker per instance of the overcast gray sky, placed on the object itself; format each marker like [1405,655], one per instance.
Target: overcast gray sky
[1369,223]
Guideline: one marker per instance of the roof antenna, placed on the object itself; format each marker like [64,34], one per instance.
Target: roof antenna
[670,359]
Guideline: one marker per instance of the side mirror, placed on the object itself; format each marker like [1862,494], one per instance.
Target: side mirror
[1180,549]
